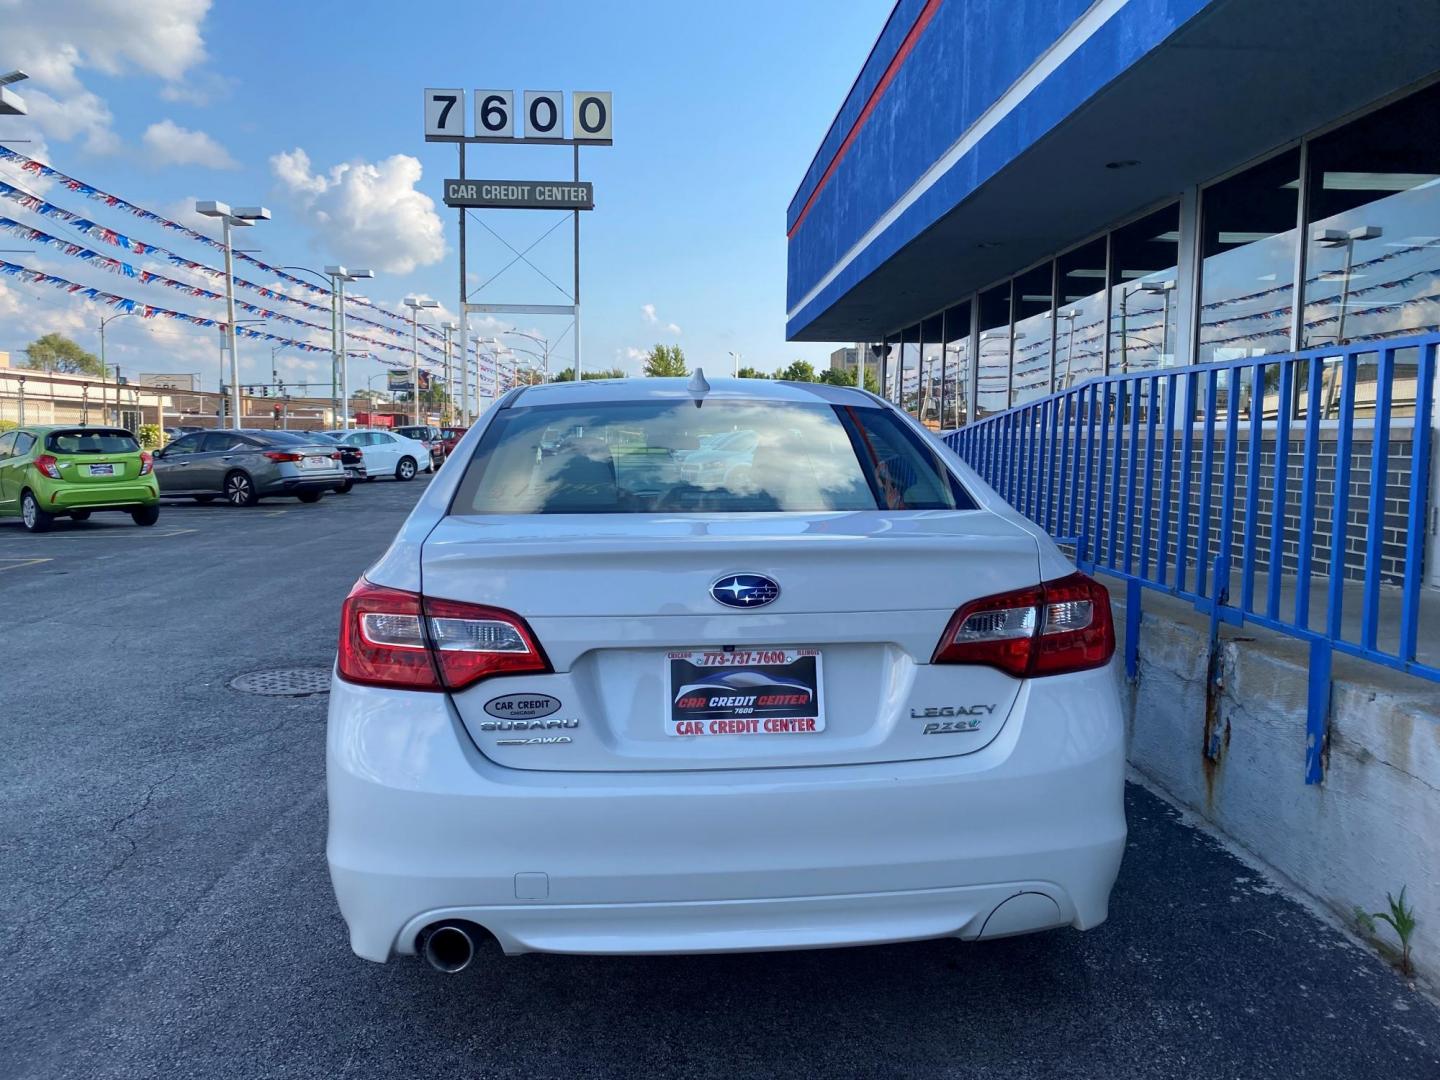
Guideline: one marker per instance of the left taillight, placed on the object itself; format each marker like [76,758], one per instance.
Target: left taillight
[147,463]
[48,465]
[1057,627]
[391,637]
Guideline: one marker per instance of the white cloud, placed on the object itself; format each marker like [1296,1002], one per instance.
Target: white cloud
[55,40]
[81,115]
[171,144]
[363,213]
[183,211]
[204,90]
[647,311]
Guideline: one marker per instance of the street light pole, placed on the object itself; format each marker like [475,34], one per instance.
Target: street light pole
[241,215]
[736,357]
[338,277]
[414,303]
[103,366]
[446,412]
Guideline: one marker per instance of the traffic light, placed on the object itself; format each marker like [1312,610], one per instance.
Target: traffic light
[277,410]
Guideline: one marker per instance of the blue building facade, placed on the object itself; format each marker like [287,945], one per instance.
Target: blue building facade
[1020,195]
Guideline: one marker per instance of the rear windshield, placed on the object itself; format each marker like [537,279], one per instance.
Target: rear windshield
[723,457]
[91,441]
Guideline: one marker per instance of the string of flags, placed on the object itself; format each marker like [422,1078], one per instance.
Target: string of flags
[86,227]
[36,168]
[147,277]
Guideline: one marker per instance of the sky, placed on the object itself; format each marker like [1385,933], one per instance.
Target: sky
[314,110]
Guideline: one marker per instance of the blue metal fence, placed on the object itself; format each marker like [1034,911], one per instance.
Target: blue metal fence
[1110,467]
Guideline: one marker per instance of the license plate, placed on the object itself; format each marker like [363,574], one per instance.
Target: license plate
[751,691]
[102,470]
[315,463]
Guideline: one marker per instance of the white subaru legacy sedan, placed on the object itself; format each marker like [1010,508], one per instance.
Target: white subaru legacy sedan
[627,683]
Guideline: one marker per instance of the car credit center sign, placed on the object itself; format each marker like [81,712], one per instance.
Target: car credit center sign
[521,194]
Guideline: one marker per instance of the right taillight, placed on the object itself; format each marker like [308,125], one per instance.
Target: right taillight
[391,637]
[1057,627]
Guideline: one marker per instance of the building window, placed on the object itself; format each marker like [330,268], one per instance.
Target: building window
[1080,314]
[1143,257]
[1372,266]
[1247,242]
[1030,374]
[888,351]
[906,371]
[932,345]
[955,368]
[992,394]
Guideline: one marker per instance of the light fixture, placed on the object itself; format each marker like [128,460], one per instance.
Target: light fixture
[11,104]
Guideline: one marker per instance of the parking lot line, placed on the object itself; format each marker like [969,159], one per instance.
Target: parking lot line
[18,561]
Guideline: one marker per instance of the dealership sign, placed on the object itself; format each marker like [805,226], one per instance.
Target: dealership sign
[521,194]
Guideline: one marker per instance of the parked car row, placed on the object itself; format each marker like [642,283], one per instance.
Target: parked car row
[52,472]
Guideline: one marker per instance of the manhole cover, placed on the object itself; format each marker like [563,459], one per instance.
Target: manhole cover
[285,682]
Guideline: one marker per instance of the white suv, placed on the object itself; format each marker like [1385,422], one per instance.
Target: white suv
[593,702]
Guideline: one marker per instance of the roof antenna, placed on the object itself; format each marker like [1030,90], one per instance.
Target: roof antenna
[697,383]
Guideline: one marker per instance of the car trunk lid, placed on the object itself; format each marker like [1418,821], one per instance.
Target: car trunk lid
[640,648]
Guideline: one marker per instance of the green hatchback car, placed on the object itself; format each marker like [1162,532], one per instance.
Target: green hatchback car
[50,472]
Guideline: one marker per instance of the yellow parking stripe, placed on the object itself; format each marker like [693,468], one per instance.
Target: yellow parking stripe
[19,562]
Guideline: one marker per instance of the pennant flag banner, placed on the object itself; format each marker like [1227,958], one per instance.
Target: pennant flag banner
[36,168]
[110,236]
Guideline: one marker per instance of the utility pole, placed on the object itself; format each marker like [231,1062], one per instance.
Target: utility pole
[414,303]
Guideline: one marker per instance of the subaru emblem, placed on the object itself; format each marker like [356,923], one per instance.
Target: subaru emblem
[744,590]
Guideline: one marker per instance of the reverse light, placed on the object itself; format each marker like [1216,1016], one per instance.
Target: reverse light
[49,466]
[1057,627]
[391,637]
[147,463]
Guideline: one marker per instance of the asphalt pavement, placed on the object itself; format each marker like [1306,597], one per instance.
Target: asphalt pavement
[165,909]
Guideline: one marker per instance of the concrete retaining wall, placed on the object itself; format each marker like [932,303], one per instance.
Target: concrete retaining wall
[1371,827]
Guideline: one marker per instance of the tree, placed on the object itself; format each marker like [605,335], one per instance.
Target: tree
[748,372]
[665,361]
[55,352]
[568,375]
[798,371]
[846,377]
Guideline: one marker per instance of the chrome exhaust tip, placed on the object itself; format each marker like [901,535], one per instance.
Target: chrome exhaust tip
[448,947]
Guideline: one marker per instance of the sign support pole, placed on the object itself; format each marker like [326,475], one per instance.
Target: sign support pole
[465,414]
[579,371]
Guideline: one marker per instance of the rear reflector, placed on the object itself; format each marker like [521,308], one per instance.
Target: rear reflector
[390,637]
[1057,627]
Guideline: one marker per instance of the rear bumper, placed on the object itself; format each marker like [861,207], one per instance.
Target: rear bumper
[288,485]
[1023,835]
[101,496]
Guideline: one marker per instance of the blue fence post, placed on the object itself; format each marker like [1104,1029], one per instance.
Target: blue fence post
[1230,467]
[1134,591]
[1187,453]
[1131,468]
[1375,518]
[1340,511]
[1207,482]
[1162,561]
[1098,522]
[1147,502]
[1122,395]
[1090,421]
[1280,492]
[1419,500]
[1317,716]
[1252,488]
[1314,382]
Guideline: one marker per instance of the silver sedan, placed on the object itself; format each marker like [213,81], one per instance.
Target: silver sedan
[243,466]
